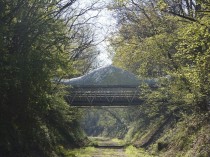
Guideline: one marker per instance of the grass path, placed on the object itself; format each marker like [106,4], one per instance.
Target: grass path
[105,147]
[108,147]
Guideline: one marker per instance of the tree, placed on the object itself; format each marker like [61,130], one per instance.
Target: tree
[38,44]
[169,42]
[153,43]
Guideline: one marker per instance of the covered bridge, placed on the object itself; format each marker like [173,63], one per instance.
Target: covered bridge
[106,86]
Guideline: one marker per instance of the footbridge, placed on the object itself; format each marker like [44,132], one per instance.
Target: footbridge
[112,95]
[108,86]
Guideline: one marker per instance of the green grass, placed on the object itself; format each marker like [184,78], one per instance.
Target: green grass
[106,141]
[132,151]
[90,151]
[82,152]
[118,141]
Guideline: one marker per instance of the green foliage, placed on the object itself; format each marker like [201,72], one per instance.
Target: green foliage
[35,46]
[193,57]
[158,45]
[169,42]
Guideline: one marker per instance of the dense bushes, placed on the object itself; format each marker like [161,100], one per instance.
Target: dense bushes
[36,43]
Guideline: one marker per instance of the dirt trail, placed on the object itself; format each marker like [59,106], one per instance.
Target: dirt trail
[109,148]
[104,147]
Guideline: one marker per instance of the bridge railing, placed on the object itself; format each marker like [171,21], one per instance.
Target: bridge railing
[103,95]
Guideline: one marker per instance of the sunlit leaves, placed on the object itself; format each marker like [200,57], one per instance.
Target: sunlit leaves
[172,46]
[162,5]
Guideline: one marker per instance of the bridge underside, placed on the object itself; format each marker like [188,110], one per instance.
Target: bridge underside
[104,96]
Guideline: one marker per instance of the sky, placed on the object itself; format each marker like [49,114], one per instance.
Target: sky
[108,26]
[104,26]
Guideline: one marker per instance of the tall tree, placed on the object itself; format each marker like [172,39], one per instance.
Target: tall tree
[166,39]
[39,42]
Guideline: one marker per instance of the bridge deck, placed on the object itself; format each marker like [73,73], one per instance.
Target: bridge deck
[104,96]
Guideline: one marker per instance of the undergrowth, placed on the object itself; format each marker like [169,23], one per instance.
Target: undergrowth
[190,137]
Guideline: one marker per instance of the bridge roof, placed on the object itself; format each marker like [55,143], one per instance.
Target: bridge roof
[105,76]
